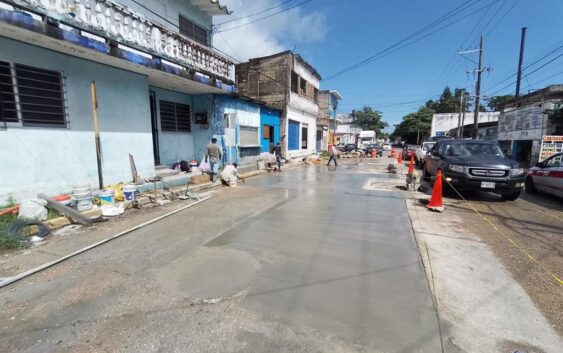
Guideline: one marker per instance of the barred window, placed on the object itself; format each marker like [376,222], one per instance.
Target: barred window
[31,95]
[175,117]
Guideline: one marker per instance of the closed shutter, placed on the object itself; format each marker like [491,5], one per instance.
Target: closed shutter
[8,111]
[248,136]
[293,136]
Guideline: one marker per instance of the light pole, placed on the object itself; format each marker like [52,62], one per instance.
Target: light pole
[334,106]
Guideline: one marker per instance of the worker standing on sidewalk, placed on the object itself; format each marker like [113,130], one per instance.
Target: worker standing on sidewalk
[213,155]
[333,153]
[277,151]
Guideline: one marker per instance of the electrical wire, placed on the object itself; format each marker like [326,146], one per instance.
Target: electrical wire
[254,14]
[265,17]
[405,41]
[502,18]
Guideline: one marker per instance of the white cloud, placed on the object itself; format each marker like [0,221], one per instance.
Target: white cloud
[271,35]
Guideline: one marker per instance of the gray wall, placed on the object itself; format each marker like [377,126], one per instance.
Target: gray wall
[51,160]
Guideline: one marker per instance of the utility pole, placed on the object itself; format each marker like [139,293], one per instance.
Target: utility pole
[334,106]
[459,117]
[478,90]
[521,61]
[418,131]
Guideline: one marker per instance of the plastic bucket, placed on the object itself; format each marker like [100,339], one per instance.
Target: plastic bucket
[129,192]
[107,197]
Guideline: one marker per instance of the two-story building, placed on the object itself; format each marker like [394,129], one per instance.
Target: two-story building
[157,78]
[286,82]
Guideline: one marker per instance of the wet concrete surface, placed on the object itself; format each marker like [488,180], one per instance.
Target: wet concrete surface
[306,260]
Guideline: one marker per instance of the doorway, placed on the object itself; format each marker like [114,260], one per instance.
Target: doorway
[154,126]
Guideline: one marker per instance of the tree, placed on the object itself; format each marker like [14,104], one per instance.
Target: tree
[415,126]
[448,102]
[369,119]
[496,103]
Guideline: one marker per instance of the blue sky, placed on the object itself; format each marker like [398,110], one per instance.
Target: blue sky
[334,34]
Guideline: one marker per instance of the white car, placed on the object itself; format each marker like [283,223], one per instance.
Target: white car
[547,176]
[387,147]
[421,152]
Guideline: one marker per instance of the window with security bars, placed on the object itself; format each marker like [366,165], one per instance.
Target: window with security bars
[191,30]
[248,136]
[175,117]
[31,95]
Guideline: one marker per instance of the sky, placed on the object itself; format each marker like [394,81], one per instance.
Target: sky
[333,35]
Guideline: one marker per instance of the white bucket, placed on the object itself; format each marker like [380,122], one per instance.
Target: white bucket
[82,194]
[129,192]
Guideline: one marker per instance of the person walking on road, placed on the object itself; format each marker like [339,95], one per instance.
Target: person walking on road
[277,151]
[213,155]
[333,153]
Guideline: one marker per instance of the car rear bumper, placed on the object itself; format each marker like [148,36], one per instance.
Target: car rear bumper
[463,182]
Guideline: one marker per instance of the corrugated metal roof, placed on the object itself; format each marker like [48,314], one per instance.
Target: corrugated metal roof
[211,7]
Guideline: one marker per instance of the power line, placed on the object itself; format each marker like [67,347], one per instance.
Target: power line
[405,41]
[265,17]
[528,74]
[254,14]
[502,18]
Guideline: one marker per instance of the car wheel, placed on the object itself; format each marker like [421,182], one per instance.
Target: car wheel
[511,197]
[530,187]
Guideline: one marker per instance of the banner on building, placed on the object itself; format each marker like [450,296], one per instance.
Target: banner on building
[550,146]
[522,124]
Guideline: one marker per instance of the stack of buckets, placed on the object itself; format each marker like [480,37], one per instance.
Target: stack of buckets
[82,195]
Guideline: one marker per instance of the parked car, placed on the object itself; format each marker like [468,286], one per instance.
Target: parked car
[547,176]
[340,147]
[376,147]
[387,147]
[472,165]
[421,152]
[350,147]
[409,151]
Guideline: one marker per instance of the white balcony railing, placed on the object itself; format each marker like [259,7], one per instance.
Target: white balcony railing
[128,27]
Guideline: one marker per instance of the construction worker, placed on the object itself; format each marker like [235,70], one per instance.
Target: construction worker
[277,151]
[213,156]
[229,175]
[333,153]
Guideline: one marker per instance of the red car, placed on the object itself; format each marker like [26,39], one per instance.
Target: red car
[409,151]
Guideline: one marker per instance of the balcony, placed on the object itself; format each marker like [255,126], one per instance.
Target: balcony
[115,27]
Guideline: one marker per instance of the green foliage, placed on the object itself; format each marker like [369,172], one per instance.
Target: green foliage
[448,102]
[496,103]
[415,125]
[556,116]
[369,119]
[8,242]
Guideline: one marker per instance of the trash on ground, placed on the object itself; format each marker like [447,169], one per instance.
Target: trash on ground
[113,210]
[33,209]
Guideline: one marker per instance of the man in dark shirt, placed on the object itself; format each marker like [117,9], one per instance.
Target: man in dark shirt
[213,156]
[277,151]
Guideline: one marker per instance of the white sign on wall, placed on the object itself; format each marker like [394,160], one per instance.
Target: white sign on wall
[522,124]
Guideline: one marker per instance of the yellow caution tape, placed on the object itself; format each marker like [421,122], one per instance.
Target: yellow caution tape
[524,251]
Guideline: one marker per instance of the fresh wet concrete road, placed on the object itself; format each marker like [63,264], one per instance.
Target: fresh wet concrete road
[313,259]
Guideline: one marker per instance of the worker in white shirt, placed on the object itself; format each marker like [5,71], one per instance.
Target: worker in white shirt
[229,176]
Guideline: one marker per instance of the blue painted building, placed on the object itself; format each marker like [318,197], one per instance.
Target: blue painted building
[158,87]
[269,128]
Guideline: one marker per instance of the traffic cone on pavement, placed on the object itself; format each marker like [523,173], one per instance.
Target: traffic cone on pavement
[400,158]
[411,165]
[436,203]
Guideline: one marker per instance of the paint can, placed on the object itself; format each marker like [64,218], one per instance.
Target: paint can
[107,197]
[82,196]
[129,192]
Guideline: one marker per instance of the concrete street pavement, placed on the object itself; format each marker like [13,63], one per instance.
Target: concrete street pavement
[307,260]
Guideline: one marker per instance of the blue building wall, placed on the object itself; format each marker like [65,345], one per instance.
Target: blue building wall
[270,118]
[51,160]
[247,114]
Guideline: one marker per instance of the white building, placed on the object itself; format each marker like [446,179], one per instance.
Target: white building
[346,132]
[446,124]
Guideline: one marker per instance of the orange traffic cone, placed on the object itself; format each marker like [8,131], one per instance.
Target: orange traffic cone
[400,158]
[411,165]
[436,203]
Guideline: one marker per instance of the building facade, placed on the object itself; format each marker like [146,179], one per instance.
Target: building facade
[285,82]
[159,87]
[346,131]
[326,127]
[524,122]
[447,124]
